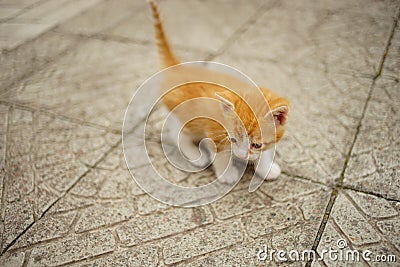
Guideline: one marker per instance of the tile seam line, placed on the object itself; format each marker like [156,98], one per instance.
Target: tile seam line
[6,51]
[369,220]
[236,218]
[345,187]
[105,30]
[23,10]
[251,20]
[369,193]
[371,89]
[116,225]
[47,112]
[311,180]
[340,182]
[109,37]
[42,66]
[342,234]
[62,195]
[30,73]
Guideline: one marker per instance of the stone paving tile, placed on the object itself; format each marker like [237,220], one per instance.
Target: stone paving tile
[3,140]
[7,12]
[18,4]
[138,256]
[104,214]
[12,259]
[353,223]
[98,72]
[166,169]
[48,155]
[14,34]
[296,238]
[274,218]
[363,222]
[313,206]
[17,217]
[155,156]
[109,180]
[308,36]
[310,203]
[20,138]
[236,203]
[317,139]
[286,187]
[52,13]
[29,57]
[201,241]
[105,184]
[105,15]
[82,145]
[188,27]
[243,255]
[391,67]
[49,227]
[2,178]
[36,176]
[119,182]
[306,207]
[328,241]
[376,8]
[89,185]
[71,202]
[390,228]
[72,249]
[3,120]
[361,165]
[117,186]
[373,206]
[147,204]
[109,71]
[374,163]
[162,224]
[39,19]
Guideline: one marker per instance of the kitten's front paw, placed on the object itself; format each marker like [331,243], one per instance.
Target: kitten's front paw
[201,162]
[274,172]
[231,176]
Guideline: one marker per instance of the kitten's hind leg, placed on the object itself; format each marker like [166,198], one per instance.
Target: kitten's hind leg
[198,155]
[224,169]
[175,136]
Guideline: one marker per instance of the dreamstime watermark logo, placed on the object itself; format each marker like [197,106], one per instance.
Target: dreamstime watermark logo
[137,129]
[341,253]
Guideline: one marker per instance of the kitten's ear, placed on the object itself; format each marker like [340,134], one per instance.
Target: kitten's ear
[279,114]
[225,104]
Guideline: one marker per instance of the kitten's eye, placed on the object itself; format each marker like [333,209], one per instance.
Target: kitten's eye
[233,140]
[256,145]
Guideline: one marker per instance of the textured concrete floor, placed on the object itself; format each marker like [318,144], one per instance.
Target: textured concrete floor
[68,69]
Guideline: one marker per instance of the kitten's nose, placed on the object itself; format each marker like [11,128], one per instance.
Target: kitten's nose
[243,155]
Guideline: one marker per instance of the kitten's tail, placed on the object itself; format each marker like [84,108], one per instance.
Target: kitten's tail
[167,58]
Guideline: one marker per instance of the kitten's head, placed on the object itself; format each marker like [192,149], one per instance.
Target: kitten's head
[254,129]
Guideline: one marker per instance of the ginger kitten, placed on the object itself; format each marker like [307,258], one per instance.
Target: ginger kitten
[252,126]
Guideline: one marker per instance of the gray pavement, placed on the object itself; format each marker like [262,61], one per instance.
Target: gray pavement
[68,69]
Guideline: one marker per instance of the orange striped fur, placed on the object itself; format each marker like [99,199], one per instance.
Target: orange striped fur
[255,120]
